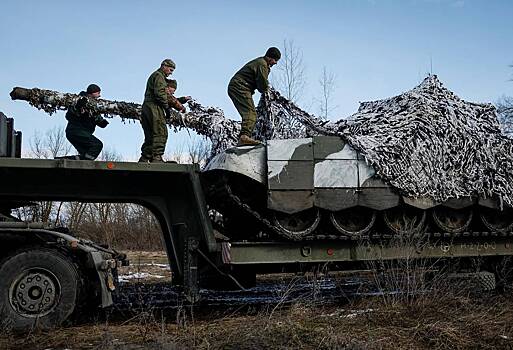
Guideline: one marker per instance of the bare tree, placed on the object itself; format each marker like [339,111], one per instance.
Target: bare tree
[199,149]
[328,86]
[43,146]
[57,143]
[291,78]
[505,113]
[37,146]
[195,150]
[110,154]
[51,145]
[74,214]
[178,155]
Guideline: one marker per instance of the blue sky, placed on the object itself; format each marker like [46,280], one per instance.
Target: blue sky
[377,49]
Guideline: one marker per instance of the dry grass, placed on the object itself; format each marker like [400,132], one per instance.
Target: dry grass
[445,318]
[453,322]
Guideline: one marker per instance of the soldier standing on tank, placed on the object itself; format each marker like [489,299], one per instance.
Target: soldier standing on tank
[175,102]
[153,118]
[81,125]
[253,75]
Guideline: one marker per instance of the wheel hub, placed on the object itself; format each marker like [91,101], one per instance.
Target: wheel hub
[35,293]
[300,224]
[353,221]
[452,220]
[404,219]
[497,220]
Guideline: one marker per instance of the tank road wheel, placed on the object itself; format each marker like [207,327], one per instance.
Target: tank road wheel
[39,288]
[452,220]
[298,225]
[404,219]
[353,221]
[497,220]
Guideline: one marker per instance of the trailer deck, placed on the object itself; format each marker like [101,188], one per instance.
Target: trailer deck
[171,191]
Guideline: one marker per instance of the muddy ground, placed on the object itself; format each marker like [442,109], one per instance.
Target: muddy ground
[338,311]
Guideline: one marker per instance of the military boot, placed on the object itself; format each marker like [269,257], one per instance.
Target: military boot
[157,159]
[143,159]
[245,140]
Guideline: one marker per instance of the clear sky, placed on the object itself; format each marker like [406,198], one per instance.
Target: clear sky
[377,49]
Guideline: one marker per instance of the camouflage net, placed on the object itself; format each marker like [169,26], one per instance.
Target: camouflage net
[206,121]
[53,101]
[426,142]
[279,118]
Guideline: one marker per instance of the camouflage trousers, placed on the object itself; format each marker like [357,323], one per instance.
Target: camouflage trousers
[87,145]
[153,122]
[243,101]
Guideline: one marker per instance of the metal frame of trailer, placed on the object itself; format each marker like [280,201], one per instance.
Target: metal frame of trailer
[174,194]
[171,191]
[261,253]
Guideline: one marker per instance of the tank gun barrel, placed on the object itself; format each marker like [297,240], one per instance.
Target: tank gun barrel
[206,121]
[52,101]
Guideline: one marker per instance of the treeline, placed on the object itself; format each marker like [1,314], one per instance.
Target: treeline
[120,225]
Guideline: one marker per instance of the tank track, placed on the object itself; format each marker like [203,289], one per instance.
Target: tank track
[292,236]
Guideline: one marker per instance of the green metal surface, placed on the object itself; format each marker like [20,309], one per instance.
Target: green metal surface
[171,191]
[326,145]
[96,165]
[295,175]
[320,252]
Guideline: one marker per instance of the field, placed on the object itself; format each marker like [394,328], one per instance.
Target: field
[300,312]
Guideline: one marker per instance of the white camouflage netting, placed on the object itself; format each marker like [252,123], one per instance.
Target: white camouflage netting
[426,142]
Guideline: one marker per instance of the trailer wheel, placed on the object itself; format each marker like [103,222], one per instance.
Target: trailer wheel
[39,289]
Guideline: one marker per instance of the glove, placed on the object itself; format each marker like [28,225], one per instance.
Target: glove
[184,99]
[81,102]
[168,113]
[102,123]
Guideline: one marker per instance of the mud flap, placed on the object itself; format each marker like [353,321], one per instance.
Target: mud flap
[190,272]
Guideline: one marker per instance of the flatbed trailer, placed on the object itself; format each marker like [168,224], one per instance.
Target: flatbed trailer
[171,191]
[174,194]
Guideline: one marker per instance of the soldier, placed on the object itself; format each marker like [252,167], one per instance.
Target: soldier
[173,102]
[153,118]
[242,87]
[82,123]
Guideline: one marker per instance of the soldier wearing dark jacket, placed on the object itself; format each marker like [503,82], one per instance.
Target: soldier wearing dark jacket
[153,118]
[82,123]
[254,75]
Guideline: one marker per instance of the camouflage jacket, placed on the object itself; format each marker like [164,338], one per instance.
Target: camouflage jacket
[81,114]
[254,75]
[156,89]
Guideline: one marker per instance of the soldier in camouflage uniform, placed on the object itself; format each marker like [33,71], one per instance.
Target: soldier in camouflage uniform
[82,123]
[174,102]
[153,118]
[254,75]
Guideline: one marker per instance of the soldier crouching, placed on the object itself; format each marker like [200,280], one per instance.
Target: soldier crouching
[81,125]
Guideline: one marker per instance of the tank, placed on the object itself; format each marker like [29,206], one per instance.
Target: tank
[322,188]
[422,162]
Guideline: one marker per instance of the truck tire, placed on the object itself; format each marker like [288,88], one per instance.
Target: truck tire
[39,288]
